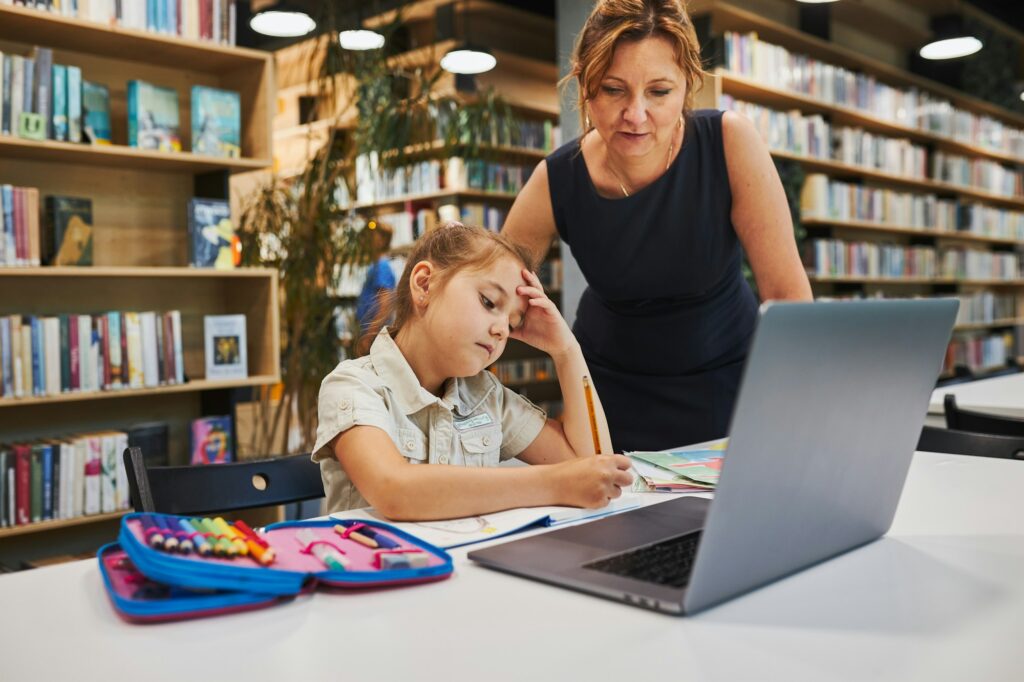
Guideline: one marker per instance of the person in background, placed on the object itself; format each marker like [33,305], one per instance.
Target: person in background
[658,204]
[418,427]
[380,278]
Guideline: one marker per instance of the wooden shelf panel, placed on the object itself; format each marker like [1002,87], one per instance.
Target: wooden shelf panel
[42,526]
[137,272]
[121,157]
[1007,322]
[52,30]
[905,229]
[836,168]
[440,194]
[856,279]
[744,88]
[188,387]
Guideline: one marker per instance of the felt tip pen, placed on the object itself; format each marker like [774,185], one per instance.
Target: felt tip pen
[382,540]
[202,546]
[328,555]
[261,553]
[154,538]
[170,542]
[233,536]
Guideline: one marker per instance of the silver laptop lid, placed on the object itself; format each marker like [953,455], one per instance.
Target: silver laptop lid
[831,405]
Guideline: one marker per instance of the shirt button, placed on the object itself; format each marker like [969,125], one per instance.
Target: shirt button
[487,440]
[344,404]
[443,459]
[409,445]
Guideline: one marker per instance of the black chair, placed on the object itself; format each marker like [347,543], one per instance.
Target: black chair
[969,443]
[980,422]
[210,488]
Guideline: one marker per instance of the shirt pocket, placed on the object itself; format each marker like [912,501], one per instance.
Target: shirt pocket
[482,447]
[412,443]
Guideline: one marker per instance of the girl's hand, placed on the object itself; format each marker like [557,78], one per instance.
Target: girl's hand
[543,326]
[592,482]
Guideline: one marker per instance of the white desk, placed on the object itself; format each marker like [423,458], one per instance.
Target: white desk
[940,598]
[1001,395]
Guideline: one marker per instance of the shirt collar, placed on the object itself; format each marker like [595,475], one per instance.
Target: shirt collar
[394,370]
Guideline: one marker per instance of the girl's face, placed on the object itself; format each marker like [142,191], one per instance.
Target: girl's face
[470,318]
[639,101]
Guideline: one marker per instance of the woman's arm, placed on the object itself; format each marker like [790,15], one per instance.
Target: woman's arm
[531,220]
[403,491]
[760,213]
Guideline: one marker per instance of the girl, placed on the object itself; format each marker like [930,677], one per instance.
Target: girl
[417,428]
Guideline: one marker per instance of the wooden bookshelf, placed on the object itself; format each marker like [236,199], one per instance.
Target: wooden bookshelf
[440,194]
[140,235]
[57,524]
[863,279]
[994,324]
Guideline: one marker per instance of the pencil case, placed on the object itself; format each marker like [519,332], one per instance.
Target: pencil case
[160,569]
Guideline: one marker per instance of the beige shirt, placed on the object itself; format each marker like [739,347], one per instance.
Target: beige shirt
[477,423]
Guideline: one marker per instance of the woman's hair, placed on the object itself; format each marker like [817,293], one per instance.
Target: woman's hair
[450,248]
[612,22]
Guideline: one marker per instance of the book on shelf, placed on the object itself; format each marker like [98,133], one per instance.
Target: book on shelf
[211,441]
[211,235]
[95,113]
[153,117]
[20,241]
[216,122]
[69,235]
[75,93]
[225,346]
[59,115]
[62,477]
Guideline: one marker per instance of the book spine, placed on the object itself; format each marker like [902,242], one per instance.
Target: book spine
[74,354]
[74,101]
[10,250]
[114,348]
[5,93]
[36,491]
[38,386]
[46,462]
[103,322]
[93,467]
[134,339]
[44,91]
[6,364]
[133,113]
[150,363]
[65,354]
[51,335]
[60,102]
[108,476]
[179,366]
[23,484]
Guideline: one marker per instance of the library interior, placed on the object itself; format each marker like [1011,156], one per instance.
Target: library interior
[555,318]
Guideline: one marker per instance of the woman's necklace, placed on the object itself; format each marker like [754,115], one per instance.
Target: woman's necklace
[618,178]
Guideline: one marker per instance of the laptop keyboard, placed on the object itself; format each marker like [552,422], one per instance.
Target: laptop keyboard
[664,563]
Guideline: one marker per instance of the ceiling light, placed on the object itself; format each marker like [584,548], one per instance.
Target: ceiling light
[816,2]
[282,23]
[360,39]
[467,59]
[951,39]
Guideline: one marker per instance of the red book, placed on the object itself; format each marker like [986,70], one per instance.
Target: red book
[20,230]
[73,351]
[125,368]
[22,483]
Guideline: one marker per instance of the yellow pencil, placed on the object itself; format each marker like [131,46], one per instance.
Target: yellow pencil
[593,417]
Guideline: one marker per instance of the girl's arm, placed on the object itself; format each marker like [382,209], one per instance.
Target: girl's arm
[403,491]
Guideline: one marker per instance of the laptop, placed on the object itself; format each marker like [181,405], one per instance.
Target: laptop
[832,401]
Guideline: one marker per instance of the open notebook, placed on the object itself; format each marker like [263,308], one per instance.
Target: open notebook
[458,532]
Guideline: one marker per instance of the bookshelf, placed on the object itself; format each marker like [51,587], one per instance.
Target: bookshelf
[140,241]
[899,210]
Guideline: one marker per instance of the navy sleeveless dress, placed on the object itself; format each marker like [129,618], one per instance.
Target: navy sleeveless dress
[667,317]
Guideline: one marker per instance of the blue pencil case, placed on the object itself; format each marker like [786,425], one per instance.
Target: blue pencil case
[166,567]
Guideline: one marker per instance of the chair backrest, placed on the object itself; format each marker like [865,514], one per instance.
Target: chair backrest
[980,422]
[211,488]
[969,443]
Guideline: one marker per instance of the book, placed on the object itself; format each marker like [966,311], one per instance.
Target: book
[693,468]
[153,117]
[216,122]
[212,239]
[60,103]
[95,112]
[210,440]
[450,533]
[74,103]
[225,347]
[68,234]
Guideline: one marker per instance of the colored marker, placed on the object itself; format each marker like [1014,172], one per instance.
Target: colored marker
[221,545]
[328,555]
[152,534]
[202,546]
[382,540]
[261,552]
[233,536]
[250,533]
[351,534]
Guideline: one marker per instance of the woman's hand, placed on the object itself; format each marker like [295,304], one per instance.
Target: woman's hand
[543,326]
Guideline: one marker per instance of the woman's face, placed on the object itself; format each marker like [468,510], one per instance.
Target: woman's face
[639,100]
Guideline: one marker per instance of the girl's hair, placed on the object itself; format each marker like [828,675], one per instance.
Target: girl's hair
[450,248]
[614,21]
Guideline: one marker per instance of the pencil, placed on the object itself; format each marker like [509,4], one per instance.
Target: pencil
[588,392]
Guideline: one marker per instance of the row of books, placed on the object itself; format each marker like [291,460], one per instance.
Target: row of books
[513,131]
[978,173]
[374,184]
[43,100]
[64,238]
[349,278]
[811,135]
[528,369]
[481,214]
[63,478]
[212,20]
[837,257]
[979,352]
[825,199]
[777,67]
[47,356]
[986,306]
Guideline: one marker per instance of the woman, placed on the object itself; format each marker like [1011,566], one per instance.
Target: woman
[657,203]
